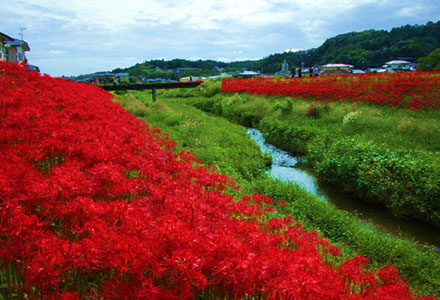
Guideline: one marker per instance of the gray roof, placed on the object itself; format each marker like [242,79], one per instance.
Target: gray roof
[398,61]
[249,73]
[15,43]
[337,65]
[101,74]
[120,74]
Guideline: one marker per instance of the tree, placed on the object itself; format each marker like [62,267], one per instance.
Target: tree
[430,62]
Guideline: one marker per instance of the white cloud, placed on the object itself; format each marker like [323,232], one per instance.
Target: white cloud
[100,33]
[292,50]
[57,52]
[405,12]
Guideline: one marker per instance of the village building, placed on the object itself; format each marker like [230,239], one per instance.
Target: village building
[336,68]
[398,66]
[247,74]
[12,49]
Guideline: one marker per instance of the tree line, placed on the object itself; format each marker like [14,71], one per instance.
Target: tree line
[366,49]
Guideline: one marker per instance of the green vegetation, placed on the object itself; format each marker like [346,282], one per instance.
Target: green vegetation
[227,146]
[202,134]
[430,62]
[177,68]
[370,48]
[383,155]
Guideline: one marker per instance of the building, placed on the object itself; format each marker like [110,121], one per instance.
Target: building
[398,66]
[247,74]
[12,49]
[285,68]
[336,68]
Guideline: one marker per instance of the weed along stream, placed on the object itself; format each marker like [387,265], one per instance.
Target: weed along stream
[285,168]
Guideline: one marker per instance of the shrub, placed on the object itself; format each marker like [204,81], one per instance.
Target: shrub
[312,111]
[351,118]
[287,136]
[403,181]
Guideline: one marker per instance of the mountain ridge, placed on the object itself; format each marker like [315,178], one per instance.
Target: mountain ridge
[368,48]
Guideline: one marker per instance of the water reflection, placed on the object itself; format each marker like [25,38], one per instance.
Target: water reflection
[284,168]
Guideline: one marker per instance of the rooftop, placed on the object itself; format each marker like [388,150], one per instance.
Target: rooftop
[336,65]
[398,62]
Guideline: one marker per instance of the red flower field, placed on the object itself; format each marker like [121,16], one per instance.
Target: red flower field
[94,204]
[414,90]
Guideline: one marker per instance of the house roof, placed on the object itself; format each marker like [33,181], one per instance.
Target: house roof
[101,74]
[120,74]
[5,37]
[17,43]
[393,62]
[336,65]
[249,73]
[33,68]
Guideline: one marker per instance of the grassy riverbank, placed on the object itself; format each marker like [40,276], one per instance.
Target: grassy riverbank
[227,146]
[383,155]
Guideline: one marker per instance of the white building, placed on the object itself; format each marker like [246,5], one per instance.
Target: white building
[398,66]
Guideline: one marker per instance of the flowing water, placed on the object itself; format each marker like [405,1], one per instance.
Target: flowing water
[285,168]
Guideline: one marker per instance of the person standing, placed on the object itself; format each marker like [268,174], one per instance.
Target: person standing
[299,72]
[293,72]
[316,71]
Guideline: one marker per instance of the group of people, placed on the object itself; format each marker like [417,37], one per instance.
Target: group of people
[312,72]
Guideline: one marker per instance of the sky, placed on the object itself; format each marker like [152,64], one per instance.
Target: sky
[84,36]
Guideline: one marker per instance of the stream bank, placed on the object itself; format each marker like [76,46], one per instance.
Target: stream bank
[288,168]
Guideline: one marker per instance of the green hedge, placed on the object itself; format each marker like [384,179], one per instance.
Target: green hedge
[286,136]
[406,182]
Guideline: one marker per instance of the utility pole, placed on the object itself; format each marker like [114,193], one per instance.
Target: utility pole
[21,34]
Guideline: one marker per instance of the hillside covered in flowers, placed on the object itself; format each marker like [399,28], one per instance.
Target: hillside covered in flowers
[95,204]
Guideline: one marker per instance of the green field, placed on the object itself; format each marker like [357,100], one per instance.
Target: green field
[386,156]
[338,138]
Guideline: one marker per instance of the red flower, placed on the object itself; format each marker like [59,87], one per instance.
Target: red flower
[93,204]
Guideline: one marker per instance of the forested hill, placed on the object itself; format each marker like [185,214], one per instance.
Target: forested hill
[168,68]
[371,48]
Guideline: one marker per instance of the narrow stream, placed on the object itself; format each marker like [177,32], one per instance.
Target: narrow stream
[285,168]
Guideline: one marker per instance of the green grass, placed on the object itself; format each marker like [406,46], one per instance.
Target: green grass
[202,134]
[394,127]
[217,141]
[383,155]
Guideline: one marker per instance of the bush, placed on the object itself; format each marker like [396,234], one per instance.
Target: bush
[289,137]
[312,111]
[209,89]
[403,181]
[351,118]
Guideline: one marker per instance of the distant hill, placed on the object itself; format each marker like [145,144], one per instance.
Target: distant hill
[181,67]
[370,48]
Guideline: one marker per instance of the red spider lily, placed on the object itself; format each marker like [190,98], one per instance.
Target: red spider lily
[94,204]
[413,90]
